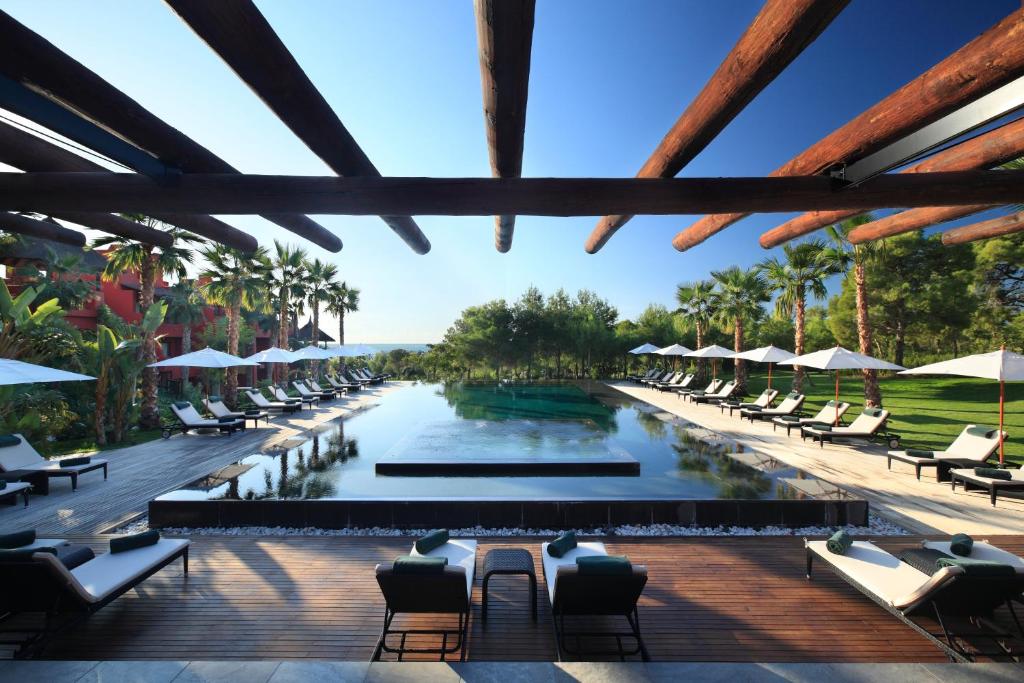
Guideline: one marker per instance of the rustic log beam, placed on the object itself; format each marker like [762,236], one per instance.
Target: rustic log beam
[242,194]
[28,58]
[243,38]
[778,34]
[47,230]
[983,230]
[990,61]
[915,219]
[23,150]
[985,151]
[504,32]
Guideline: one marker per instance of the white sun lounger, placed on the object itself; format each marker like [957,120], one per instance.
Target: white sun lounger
[189,419]
[973,447]
[23,457]
[968,478]
[870,424]
[221,411]
[828,415]
[260,401]
[762,401]
[789,406]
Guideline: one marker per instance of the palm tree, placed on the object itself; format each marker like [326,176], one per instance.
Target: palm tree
[129,256]
[185,308]
[341,300]
[801,273]
[235,280]
[287,277]
[697,300]
[319,282]
[840,256]
[739,298]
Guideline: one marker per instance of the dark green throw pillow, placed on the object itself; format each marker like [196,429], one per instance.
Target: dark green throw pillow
[135,541]
[7,440]
[17,539]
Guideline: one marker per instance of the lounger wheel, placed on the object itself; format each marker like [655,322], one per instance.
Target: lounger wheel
[894,442]
[165,433]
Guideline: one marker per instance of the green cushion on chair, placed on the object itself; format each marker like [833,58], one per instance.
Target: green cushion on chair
[993,473]
[135,541]
[17,539]
[977,567]
[225,420]
[961,544]
[604,565]
[253,413]
[75,462]
[7,440]
[435,539]
[213,398]
[982,431]
[409,564]
[789,418]
[918,453]
[563,544]
[181,405]
[3,484]
[872,412]
[839,543]
[793,395]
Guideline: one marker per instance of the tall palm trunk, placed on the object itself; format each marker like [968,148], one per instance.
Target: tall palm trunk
[872,393]
[314,336]
[231,378]
[702,364]
[282,331]
[99,416]
[341,326]
[186,347]
[740,370]
[798,339]
[150,415]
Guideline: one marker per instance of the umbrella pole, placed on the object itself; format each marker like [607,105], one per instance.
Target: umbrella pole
[836,420]
[769,377]
[1002,400]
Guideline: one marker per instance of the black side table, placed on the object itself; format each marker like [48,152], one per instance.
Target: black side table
[510,561]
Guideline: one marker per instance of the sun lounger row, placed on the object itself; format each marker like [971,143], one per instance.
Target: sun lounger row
[437,578]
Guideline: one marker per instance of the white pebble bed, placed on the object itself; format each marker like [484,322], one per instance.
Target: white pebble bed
[876,527]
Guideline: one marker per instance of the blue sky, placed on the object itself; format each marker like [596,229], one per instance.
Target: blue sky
[608,80]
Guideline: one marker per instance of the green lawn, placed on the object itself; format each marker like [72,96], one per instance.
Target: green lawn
[88,444]
[928,412]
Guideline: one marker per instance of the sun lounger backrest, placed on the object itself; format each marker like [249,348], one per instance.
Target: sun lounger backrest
[713,387]
[22,455]
[301,388]
[440,593]
[687,381]
[280,394]
[604,595]
[314,386]
[869,421]
[828,413]
[790,403]
[956,594]
[726,391]
[188,415]
[37,583]
[971,445]
[258,398]
[217,408]
[766,397]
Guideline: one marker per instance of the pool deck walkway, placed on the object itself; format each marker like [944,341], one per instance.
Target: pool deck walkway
[925,507]
[316,598]
[142,472]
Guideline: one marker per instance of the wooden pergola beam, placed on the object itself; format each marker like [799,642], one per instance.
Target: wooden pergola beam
[249,194]
[30,153]
[983,230]
[28,58]
[778,34]
[504,32]
[243,38]
[990,61]
[47,230]
[985,151]
[915,219]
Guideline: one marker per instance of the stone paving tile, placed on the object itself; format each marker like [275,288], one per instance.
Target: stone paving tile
[411,672]
[133,672]
[320,672]
[22,672]
[211,672]
[976,673]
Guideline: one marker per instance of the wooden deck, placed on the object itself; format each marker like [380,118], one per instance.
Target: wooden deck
[925,507]
[708,599]
[140,473]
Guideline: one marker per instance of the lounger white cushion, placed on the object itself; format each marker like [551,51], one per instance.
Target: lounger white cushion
[100,576]
[826,415]
[460,553]
[1016,476]
[982,551]
[864,425]
[24,457]
[190,418]
[261,401]
[966,447]
[883,574]
[551,564]
[17,487]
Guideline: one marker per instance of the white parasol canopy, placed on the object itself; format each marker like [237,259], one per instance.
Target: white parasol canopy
[673,350]
[714,351]
[312,353]
[18,372]
[644,348]
[273,355]
[766,354]
[838,358]
[204,358]
[1002,366]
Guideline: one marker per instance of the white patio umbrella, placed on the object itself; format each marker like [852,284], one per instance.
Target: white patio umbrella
[351,350]
[837,359]
[766,354]
[18,372]
[714,351]
[1002,366]
[673,350]
[313,353]
[273,355]
[204,358]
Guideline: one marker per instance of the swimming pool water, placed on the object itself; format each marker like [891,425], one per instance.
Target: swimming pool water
[678,460]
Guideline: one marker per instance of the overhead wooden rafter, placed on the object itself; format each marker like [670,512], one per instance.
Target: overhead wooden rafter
[242,194]
[243,38]
[778,34]
[983,230]
[31,60]
[990,61]
[984,151]
[504,31]
[28,152]
[914,219]
[47,230]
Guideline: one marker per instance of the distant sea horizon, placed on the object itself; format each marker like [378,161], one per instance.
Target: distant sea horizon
[415,348]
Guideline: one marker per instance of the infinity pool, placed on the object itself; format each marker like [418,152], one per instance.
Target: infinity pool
[579,423]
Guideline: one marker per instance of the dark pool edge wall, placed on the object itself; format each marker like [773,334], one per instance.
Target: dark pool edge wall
[338,514]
